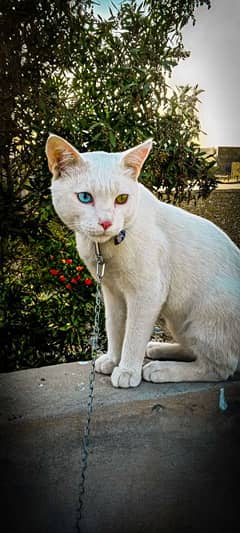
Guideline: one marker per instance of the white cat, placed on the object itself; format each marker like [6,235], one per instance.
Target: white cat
[170,262]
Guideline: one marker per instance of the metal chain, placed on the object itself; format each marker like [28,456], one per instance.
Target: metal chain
[94,349]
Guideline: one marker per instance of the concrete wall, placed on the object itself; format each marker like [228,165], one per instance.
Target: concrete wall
[164,458]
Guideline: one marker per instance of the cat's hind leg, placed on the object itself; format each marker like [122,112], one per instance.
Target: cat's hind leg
[174,371]
[166,351]
[211,363]
[213,344]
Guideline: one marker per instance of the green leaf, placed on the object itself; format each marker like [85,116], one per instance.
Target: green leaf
[112,139]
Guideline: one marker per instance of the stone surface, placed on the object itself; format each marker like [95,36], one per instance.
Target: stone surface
[163,458]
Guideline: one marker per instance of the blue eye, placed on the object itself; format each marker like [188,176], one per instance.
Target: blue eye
[85,197]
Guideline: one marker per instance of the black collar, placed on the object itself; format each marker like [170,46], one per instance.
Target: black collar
[120,237]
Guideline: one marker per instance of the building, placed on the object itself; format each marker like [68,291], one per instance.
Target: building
[228,162]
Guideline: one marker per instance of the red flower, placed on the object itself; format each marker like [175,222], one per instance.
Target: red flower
[54,272]
[62,278]
[88,281]
[78,277]
[68,286]
[74,281]
[79,268]
[68,261]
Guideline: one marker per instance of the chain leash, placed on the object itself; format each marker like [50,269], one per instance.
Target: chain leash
[94,348]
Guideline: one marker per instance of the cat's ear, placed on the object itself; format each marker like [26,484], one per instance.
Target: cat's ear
[61,155]
[134,158]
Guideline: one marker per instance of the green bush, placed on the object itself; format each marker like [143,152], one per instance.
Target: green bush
[48,306]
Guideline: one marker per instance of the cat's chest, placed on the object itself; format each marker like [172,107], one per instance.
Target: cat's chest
[119,260]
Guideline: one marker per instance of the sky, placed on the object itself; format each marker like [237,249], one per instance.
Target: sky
[214,43]
[214,65]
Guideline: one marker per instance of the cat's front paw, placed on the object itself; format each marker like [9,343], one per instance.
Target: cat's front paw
[104,364]
[124,378]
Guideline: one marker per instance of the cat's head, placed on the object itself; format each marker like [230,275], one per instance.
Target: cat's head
[95,193]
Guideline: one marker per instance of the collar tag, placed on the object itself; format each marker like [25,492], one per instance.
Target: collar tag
[120,237]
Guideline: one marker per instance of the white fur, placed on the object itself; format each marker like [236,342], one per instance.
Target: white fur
[171,262]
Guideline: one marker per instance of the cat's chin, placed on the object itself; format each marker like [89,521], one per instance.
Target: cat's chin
[100,238]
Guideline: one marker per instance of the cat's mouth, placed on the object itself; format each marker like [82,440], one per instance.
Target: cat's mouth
[103,237]
[100,237]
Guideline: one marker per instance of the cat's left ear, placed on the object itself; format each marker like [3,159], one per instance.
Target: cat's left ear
[134,158]
[61,154]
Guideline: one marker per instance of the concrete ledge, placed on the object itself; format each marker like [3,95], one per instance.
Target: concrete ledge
[63,389]
[164,458]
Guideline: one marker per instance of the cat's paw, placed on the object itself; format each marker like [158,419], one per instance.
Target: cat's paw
[151,372]
[104,364]
[124,378]
[159,372]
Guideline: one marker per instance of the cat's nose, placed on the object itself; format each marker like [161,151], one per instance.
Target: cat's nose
[105,224]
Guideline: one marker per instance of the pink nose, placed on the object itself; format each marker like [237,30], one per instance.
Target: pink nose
[105,224]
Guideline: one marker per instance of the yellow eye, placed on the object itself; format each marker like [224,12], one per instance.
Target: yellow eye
[121,199]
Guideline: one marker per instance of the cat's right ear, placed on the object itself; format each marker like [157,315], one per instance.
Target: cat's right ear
[60,155]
